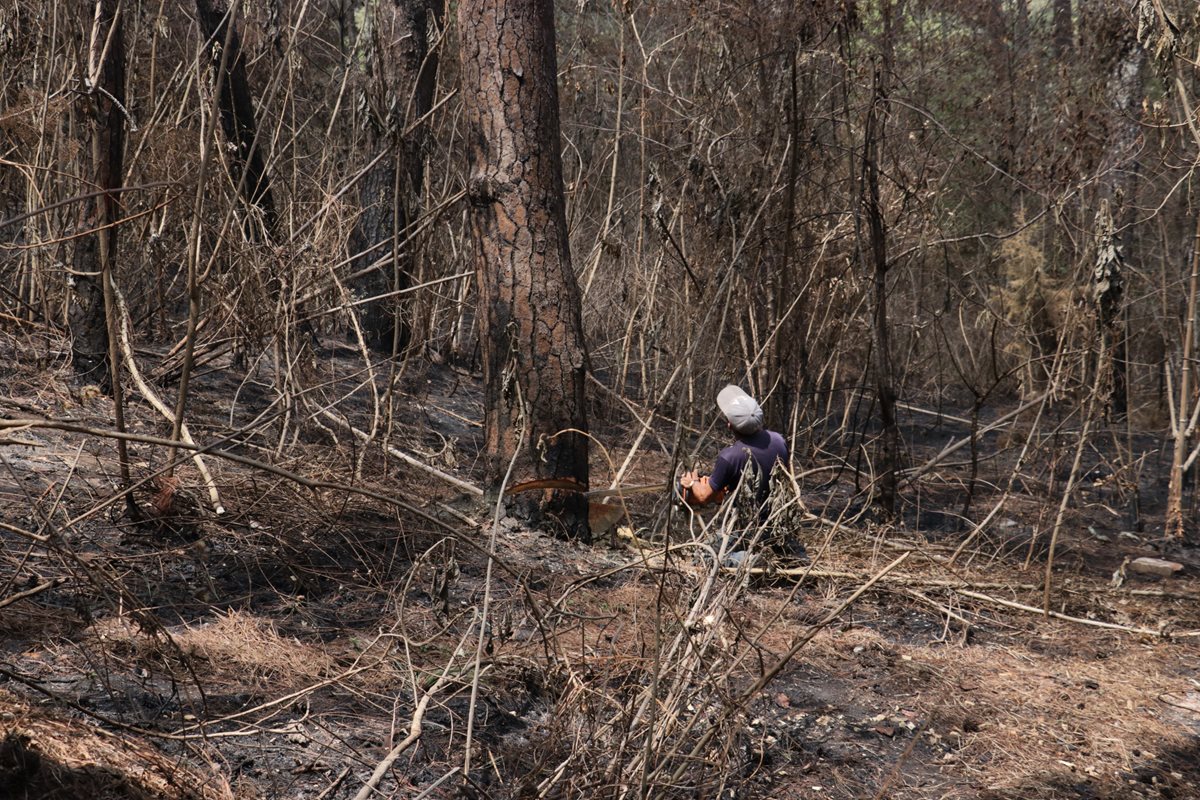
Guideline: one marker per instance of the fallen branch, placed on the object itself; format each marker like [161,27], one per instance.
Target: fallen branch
[41,587]
[308,483]
[214,497]
[941,608]
[911,475]
[415,729]
[406,458]
[37,537]
[1161,634]
[903,580]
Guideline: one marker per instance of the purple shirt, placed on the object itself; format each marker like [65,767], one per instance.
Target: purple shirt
[763,449]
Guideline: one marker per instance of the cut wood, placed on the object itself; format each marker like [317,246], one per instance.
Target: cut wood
[1155,566]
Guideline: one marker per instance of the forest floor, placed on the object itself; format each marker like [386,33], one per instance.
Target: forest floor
[283,648]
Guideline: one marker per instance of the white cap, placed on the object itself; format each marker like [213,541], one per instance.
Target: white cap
[744,414]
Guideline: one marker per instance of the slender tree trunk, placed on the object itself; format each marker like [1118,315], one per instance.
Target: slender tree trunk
[788,356]
[400,93]
[93,314]
[1126,91]
[248,168]
[1183,419]
[1064,29]
[529,318]
[97,252]
[1108,294]
[888,453]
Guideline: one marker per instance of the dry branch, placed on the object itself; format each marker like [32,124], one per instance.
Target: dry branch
[123,325]
[41,587]
[1161,633]
[406,458]
[309,483]
[415,728]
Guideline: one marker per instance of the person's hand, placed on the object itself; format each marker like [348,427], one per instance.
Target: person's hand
[695,488]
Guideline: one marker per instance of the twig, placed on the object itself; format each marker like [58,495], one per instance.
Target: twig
[941,608]
[485,609]
[1071,479]
[333,787]
[37,537]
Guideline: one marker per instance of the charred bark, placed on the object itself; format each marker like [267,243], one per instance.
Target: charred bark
[248,169]
[400,93]
[888,450]
[529,309]
[1064,30]
[788,357]
[96,252]
[1127,89]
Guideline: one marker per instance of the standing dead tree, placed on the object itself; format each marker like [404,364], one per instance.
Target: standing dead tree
[881,358]
[93,313]
[534,356]
[247,166]
[1170,31]
[96,250]
[398,95]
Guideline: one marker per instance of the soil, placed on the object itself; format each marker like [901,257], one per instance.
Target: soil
[279,650]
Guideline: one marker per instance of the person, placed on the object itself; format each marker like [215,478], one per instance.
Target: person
[752,456]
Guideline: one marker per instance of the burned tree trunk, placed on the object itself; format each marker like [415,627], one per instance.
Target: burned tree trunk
[247,167]
[1126,91]
[529,309]
[1064,30]
[93,311]
[96,252]
[888,451]
[400,92]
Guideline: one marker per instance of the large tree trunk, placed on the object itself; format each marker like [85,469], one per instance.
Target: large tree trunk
[96,253]
[400,92]
[247,166]
[533,350]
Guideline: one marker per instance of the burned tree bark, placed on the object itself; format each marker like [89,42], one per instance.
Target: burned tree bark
[247,167]
[96,252]
[529,308]
[888,451]
[1064,30]
[93,311]
[400,92]
[1126,91]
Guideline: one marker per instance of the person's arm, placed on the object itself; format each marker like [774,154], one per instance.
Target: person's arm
[698,489]
[702,490]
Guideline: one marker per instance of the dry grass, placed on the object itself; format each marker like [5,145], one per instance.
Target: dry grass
[44,755]
[234,647]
